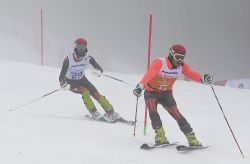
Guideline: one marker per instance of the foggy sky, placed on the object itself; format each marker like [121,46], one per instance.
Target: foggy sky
[216,33]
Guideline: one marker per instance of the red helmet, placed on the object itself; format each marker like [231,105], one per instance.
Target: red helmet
[80,47]
[177,49]
[81,41]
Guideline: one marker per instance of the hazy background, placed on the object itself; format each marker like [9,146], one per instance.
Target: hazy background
[216,33]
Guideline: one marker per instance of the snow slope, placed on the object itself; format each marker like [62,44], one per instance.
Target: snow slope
[53,130]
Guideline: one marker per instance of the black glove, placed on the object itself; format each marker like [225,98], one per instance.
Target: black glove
[207,79]
[138,90]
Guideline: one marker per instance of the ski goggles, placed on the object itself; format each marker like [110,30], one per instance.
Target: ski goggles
[80,47]
[176,56]
[179,57]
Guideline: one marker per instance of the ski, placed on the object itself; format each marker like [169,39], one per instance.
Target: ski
[129,122]
[146,146]
[184,148]
[102,119]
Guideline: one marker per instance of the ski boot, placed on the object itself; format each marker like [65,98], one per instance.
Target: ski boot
[111,116]
[192,139]
[160,137]
[95,114]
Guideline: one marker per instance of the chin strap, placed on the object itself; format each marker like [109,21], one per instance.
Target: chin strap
[75,55]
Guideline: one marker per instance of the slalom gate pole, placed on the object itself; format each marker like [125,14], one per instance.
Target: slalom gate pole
[136,107]
[149,54]
[18,107]
[114,78]
[228,123]
[41,12]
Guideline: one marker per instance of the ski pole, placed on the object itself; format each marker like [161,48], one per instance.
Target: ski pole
[18,107]
[227,122]
[114,78]
[98,73]
[135,115]
[145,120]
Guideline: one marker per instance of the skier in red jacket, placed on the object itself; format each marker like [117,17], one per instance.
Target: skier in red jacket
[158,83]
[73,73]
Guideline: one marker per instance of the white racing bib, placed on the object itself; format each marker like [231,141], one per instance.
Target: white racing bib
[76,70]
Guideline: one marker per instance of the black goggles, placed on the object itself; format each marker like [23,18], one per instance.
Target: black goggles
[81,47]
